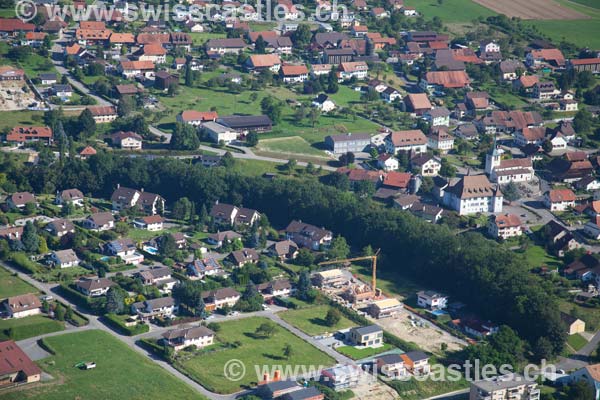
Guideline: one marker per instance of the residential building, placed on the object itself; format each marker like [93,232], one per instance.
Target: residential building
[411,140]
[219,238]
[505,387]
[262,62]
[510,69]
[545,91]
[574,325]
[533,135]
[439,116]
[329,278]
[20,135]
[127,140]
[163,80]
[426,163]
[428,212]
[283,250]
[159,277]
[385,308]
[473,194]
[60,227]
[341,377]
[103,114]
[390,95]
[21,306]
[439,139]
[391,365]
[219,47]
[228,214]
[161,307]
[239,258]
[416,362]
[559,239]
[417,103]
[366,336]
[440,80]
[11,233]
[64,258]
[198,336]
[215,299]
[323,103]
[276,389]
[431,300]
[307,235]
[504,226]
[101,221]
[294,73]
[559,199]
[553,58]
[198,269]
[344,143]
[125,249]
[94,287]
[585,64]
[196,118]
[124,198]
[149,223]
[387,162]
[348,70]
[15,366]
[277,288]
[20,199]
[73,196]
[131,69]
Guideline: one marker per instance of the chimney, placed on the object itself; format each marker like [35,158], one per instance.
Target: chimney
[266,377]
[277,375]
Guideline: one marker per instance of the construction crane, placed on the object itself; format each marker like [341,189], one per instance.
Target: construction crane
[373,259]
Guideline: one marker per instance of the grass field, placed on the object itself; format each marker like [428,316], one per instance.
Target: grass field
[253,351]
[311,320]
[576,341]
[290,145]
[121,373]
[447,11]
[589,3]
[23,328]
[225,102]
[9,119]
[359,354]
[11,285]
[537,256]
[201,37]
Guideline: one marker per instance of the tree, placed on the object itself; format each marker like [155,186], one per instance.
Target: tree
[125,106]
[172,89]
[305,257]
[59,312]
[301,36]
[288,351]
[251,299]
[181,208]
[115,300]
[332,82]
[167,245]
[184,137]
[189,76]
[69,313]
[582,123]
[86,124]
[511,191]
[252,139]
[273,108]
[260,46]
[448,170]
[30,238]
[338,249]
[547,146]
[313,116]
[333,317]
[266,329]
[581,390]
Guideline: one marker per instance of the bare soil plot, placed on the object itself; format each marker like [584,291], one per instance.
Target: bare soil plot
[532,9]
[12,96]
[428,337]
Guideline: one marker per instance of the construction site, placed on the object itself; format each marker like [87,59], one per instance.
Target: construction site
[388,312]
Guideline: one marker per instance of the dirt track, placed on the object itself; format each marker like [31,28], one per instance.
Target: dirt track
[531,9]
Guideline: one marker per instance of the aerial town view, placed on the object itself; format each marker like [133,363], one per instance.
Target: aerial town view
[300,199]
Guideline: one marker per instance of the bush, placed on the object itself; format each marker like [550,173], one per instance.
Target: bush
[22,262]
[94,305]
[46,346]
[164,352]
[117,323]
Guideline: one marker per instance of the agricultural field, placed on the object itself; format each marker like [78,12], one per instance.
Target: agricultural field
[446,10]
[23,328]
[532,9]
[11,285]
[252,350]
[121,373]
[311,320]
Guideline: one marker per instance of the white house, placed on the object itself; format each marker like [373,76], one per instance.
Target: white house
[504,226]
[217,132]
[559,199]
[489,46]
[99,221]
[431,300]
[64,258]
[440,139]
[473,194]
[94,287]
[21,306]
[73,196]
[387,162]
[411,140]
[125,249]
[149,223]
[390,95]
[163,307]
[198,336]
[439,116]
[356,69]
[323,103]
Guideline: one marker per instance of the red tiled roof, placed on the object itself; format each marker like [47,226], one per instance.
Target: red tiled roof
[13,359]
[448,79]
[560,195]
[14,25]
[23,133]
[292,70]
[397,179]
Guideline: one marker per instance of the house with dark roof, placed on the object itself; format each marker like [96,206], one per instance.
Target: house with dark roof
[366,336]
[20,199]
[416,362]
[101,221]
[60,227]
[124,197]
[200,268]
[73,196]
[283,250]
[219,238]
[239,258]
[247,123]
[228,214]
[307,235]
[277,288]
[391,365]
[198,336]
[344,143]
[94,287]
[21,306]
[218,298]
[161,307]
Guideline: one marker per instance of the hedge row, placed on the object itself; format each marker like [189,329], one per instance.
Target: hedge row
[78,298]
[115,322]
[22,262]
[46,346]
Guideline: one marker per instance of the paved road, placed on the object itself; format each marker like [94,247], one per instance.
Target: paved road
[95,323]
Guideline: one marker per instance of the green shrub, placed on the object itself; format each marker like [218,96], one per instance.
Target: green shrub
[117,323]
[22,262]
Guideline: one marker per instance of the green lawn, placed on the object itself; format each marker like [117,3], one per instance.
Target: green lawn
[537,256]
[359,354]
[11,285]
[11,118]
[253,351]
[59,274]
[447,11]
[589,3]
[311,320]
[201,37]
[576,341]
[290,146]
[23,328]
[120,372]
[141,235]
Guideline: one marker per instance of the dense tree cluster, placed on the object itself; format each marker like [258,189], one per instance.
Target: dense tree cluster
[473,269]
